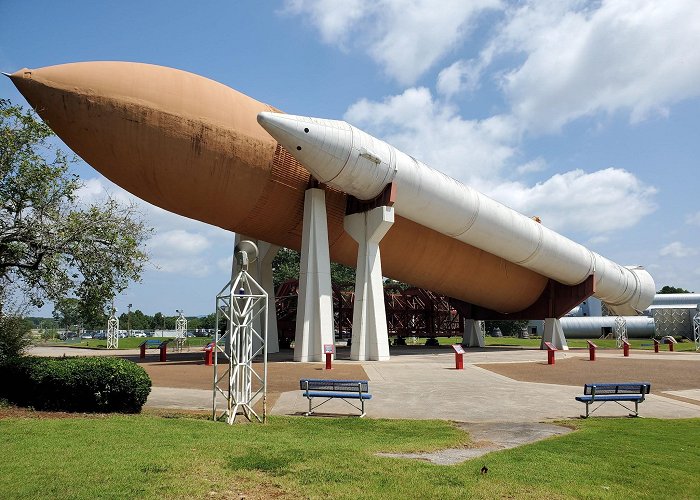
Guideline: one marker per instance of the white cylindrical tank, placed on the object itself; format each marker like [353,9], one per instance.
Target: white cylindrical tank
[638,327]
[347,158]
[673,299]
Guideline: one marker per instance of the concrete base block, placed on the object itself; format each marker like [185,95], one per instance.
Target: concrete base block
[554,334]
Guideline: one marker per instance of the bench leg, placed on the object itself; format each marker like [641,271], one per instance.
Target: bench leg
[362,401]
[310,410]
[586,411]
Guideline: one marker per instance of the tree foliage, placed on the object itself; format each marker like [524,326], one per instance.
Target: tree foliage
[51,245]
[286,263]
[509,328]
[673,289]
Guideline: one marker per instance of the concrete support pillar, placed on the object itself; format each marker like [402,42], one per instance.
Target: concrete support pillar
[473,333]
[314,326]
[370,340]
[554,334]
[261,271]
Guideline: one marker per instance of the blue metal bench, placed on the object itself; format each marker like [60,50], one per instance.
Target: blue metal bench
[335,389]
[631,392]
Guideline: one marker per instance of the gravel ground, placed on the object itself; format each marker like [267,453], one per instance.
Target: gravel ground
[663,374]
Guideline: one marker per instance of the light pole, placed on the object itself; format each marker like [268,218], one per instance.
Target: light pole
[128,322]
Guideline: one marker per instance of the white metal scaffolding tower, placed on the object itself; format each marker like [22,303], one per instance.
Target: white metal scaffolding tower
[180,330]
[696,330]
[620,330]
[113,330]
[240,306]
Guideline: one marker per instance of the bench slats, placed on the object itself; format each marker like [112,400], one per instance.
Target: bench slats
[334,385]
[328,394]
[622,388]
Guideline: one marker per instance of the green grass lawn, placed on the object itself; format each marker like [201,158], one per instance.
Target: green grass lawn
[294,457]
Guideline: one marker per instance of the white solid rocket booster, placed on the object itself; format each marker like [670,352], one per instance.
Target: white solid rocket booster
[345,157]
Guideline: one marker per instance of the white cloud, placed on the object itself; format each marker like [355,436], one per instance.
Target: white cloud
[595,203]
[406,37]
[693,219]
[678,250]
[332,21]
[536,165]
[179,241]
[634,56]
[458,77]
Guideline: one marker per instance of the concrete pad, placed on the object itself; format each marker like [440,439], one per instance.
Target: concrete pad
[428,386]
[693,394]
[179,398]
[488,437]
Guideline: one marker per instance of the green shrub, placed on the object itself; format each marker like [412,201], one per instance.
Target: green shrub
[83,384]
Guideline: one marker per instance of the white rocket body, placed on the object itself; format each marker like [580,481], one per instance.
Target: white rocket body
[345,157]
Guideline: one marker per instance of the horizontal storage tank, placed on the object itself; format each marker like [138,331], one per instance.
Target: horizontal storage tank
[675,299]
[638,327]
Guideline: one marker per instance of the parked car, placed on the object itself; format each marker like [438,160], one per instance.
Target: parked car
[139,334]
[86,336]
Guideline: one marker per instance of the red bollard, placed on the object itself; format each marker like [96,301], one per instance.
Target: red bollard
[625,348]
[550,353]
[142,354]
[591,350]
[459,356]
[163,352]
[329,358]
[208,356]
[670,346]
[656,345]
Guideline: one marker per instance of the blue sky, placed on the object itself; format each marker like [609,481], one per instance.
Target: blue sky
[584,113]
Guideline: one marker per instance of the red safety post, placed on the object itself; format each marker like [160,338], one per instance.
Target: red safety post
[329,349]
[164,352]
[591,350]
[142,354]
[459,356]
[625,348]
[550,352]
[209,354]
[656,345]
[670,346]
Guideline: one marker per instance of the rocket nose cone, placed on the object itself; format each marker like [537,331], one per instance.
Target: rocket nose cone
[322,146]
[285,128]
[19,75]
[22,79]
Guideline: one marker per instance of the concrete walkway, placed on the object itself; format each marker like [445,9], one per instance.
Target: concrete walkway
[422,386]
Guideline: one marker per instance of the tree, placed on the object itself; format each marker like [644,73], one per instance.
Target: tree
[67,313]
[673,289]
[509,328]
[52,246]
[285,266]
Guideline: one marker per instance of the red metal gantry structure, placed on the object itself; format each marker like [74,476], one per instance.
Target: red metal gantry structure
[410,312]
